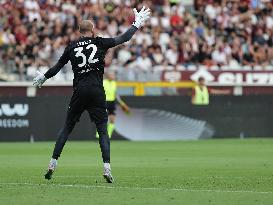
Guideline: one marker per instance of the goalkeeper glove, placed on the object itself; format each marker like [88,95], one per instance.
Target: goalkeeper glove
[39,79]
[141,17]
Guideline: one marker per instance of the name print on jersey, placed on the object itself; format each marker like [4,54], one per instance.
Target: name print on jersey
[82,43]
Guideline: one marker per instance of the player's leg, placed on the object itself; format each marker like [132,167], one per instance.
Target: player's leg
[73,114]
[100,117]
[71,120]
[104,142]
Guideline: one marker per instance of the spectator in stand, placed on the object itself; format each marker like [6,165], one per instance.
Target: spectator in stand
[226,33]
[157,56]
[219,56]
[171,54]
[144,62]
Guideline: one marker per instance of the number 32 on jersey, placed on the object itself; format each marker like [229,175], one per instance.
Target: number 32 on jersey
[90,58]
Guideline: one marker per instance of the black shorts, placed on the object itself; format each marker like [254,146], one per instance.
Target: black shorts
[111,107]
[88,98]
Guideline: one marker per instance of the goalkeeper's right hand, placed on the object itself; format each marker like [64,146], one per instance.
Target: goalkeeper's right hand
[141,17]
[39,79]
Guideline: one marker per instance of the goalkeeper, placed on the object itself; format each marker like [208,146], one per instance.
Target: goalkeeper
[110,88]
[87,55]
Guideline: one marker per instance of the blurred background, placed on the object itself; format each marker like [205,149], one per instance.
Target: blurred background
[224,45]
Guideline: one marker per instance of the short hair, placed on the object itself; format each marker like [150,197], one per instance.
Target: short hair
[86,26]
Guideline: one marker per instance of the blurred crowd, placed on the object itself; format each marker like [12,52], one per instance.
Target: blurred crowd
[228,34]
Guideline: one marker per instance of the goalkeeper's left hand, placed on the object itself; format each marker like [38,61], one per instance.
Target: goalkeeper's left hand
[39,79]
[141,17]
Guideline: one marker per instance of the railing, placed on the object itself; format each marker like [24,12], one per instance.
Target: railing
[139,87]
[131,88]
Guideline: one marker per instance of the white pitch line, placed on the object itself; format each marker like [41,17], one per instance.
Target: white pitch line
[186,177]
[138,188]
[98,176]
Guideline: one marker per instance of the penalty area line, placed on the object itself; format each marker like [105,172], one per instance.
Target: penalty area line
[136,188]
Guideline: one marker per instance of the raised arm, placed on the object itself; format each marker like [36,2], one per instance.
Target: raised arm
[125,36]
[140,18]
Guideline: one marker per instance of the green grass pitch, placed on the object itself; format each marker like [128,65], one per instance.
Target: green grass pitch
[208,172]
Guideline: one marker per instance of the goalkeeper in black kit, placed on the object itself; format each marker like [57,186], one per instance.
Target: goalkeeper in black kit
[87,58]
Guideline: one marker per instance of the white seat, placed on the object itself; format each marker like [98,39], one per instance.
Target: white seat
[246,67]
[203,67]
[268,67]
[180,68]
[257,67]
[192,67]
[214,67]
[158,68]
[236,67]
[225,67]
[169,67]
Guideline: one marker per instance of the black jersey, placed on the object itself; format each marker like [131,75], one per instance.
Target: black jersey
[87,58]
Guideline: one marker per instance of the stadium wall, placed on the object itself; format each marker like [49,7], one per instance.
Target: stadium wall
[40,118]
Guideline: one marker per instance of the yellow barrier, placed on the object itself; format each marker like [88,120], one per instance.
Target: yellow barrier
[139,87]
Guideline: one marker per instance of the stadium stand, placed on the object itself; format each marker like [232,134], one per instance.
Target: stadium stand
[227,34]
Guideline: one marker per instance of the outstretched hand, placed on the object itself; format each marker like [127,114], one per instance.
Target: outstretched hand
[141,16]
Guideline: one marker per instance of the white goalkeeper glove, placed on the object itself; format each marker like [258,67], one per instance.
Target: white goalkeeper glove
[39,79]
[141,17]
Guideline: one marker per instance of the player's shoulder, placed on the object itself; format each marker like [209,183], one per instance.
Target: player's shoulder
[99,39]
[71,45]
[103,39]
[106,42]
